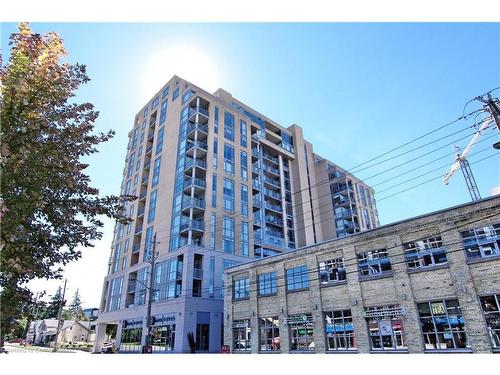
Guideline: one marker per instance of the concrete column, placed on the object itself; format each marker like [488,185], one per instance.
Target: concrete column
[465,290]
[228,311]
[356,300]
[100,336]
[119,330]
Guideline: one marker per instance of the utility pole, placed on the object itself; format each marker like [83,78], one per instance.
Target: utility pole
[495,114]
[59,315]
[151,260]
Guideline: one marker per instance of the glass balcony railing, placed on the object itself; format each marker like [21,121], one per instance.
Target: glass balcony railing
[198,144]
[197,126]
[198,225]
[198,110]
[195,163]
[193,202]
[273,207]
[198,182]
[272,193]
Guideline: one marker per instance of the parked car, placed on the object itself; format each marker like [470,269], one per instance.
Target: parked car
[17,340]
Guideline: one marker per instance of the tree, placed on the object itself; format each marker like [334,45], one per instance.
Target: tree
[75,306]
[48,208]
[55,302]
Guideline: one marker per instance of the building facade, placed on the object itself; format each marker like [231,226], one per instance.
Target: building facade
[423,285]
[218,184]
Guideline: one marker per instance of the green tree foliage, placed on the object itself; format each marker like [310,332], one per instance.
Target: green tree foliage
[75,306]
[48,208]
[53,306]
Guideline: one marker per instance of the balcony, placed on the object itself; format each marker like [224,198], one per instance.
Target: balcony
[195,203]
[274,159]
[255,152]
[140,213]
[271,169]
[149,148]
[136,248]
[274,220]
[272,194]
[145,179]
[131,286]
[255,169]
[151,136]
[147,164]
[143,194]
[197,273]
[202,130]
[273,182]
[256,185]
[201,148]
[198,110]
[192,163]
[193,225]
[197,183]
[138,229]
[273,207]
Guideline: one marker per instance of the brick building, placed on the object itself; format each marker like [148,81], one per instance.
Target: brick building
[426,284]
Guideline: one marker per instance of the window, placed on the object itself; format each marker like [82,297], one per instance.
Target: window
[301,332]
[216,120]
[159,142]
[374,263]
[117,255]
[115,294]
[131,165]
[297,278]
[125,248]
[267,284]
[442,325]
[244,200]
[243,133]
[156,172]
[187,95]
[131,339]
[148,243]
[214,191]
[175,93]
[211,280]
[244,238]
[152,206]
[140,290]
[241,335]
[228,191]
[164,93]
[168,279]
[154,103]
[241,288]
[229,126]
[385,327]
[228,159]
[214,156]
[163,338]
[228,234]
[213,229]
[483,242]
[269,339]
[332,271]
[202,336]
[244,165]
[134,138]
[425,253]
[491,310]
[339,330]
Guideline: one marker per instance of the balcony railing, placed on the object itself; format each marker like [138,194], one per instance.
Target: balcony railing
[274,220]
[272,181]
[268,168]
[255,152]
[198,144]
[136,248]
[195,163]
[193,225]
[272,193]
[270,157]
[197,126]
[193,202]
[273,207]
[149,148]
[194,182]
[195,110]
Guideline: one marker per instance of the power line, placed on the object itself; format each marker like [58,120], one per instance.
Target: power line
[354,261]
[432,179]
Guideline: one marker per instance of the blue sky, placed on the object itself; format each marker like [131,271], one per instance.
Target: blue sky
[357,90]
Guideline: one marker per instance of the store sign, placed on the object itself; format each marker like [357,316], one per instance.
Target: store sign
[331,328]
[393,312]
[164,319]
[132,323]
[243,324]
[299,319]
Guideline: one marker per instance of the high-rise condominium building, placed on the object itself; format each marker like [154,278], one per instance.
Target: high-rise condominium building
[219,184]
